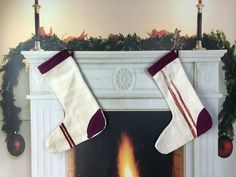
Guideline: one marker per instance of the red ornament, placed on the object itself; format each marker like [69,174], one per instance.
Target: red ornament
[225,146]
[16,144]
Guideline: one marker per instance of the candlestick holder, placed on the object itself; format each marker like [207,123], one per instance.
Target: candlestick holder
[199,27]
[37,46]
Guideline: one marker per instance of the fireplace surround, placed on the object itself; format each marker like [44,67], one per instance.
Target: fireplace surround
[120,83]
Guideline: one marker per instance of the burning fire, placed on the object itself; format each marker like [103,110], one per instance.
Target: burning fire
[127,166]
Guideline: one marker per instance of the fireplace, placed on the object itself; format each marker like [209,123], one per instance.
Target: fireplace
[122,86]
[126,148]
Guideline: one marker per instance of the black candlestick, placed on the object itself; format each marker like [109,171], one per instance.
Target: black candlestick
[199,26]
[37,25]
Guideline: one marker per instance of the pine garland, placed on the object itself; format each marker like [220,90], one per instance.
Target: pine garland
[227,116]
[13,64]
[11,68]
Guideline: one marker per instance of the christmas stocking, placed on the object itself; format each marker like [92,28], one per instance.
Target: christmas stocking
[189,118]
[83,116]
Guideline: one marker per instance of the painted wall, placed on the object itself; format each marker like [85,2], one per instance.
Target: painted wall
[99,18]
[11,166]
[18,26]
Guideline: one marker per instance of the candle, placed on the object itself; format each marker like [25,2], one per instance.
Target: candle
[36,7]
[199,25]
[36,18]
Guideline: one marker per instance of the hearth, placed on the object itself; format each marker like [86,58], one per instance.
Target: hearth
[120,83]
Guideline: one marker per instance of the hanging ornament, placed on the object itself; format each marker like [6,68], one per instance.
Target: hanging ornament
[225,146]
[16,144]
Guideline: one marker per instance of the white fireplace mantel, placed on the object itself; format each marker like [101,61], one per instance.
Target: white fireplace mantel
[120,82]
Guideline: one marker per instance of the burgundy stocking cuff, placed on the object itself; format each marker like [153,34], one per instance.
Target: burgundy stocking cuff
[52,62]
[165,60]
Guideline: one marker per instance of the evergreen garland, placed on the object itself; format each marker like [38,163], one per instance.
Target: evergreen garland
[227,115]
[11,68]
[13,64]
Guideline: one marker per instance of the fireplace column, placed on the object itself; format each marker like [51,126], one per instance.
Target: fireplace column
[120,82]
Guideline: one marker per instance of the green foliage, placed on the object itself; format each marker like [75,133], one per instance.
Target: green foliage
[227,116]
[158,43]
[215,40]
[52,43]
[12,66]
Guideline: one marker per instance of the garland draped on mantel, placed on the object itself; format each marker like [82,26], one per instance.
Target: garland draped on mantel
[13,63]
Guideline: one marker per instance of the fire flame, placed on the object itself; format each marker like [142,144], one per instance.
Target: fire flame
[127,166]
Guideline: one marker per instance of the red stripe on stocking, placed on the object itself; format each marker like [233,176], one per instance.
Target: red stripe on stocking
[66,136]
[178,104]
[181,99]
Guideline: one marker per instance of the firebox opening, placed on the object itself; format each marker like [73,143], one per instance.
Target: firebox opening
[126,148]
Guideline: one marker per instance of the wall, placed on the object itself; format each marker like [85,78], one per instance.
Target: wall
[11,166]
[18,26]
[100,18]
